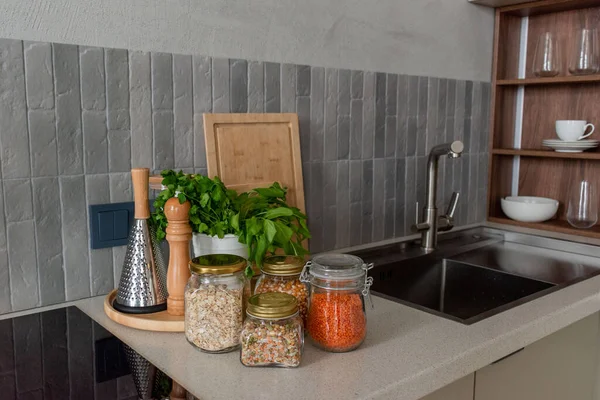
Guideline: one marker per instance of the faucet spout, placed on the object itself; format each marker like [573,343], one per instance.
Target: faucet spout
[429,227]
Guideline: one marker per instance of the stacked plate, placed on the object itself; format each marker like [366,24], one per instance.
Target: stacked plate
[561,146]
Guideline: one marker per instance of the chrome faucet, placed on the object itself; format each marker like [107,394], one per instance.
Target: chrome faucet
[432,223]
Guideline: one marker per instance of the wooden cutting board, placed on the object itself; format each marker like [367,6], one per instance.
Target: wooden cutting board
[254,150]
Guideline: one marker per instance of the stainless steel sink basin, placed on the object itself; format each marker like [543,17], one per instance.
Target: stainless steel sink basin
[462,292]
[478,273]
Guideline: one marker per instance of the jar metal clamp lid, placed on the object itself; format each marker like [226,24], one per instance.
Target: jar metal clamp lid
[217,264]
[336,269]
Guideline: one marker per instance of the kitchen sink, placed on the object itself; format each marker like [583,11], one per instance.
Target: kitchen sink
[475,274]
[453,289]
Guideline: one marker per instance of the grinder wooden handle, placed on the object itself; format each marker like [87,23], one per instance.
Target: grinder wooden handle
[139,177]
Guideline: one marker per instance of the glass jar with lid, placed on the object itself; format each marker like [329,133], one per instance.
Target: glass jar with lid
[337,319]
[282,274]
[273,334]
[215,296]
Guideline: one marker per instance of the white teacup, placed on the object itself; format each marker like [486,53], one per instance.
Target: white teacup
[573,130]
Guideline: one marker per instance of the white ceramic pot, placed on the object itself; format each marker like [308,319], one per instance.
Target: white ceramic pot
[202,244]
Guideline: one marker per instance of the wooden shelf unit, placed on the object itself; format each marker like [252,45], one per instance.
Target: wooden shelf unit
[557,80]
[554,225]
[525,108]
[589,155]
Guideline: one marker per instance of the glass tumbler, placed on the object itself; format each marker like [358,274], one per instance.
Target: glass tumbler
[584,53]
[547,58]
[583,205]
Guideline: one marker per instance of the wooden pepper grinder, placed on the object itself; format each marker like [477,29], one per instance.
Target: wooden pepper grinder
[179,234]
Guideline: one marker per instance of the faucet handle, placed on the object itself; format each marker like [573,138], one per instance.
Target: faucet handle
[452,205]
[417,214]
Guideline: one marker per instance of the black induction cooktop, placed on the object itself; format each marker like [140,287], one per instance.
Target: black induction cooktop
[63,354]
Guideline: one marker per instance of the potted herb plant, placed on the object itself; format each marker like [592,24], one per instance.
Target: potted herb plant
[251,224]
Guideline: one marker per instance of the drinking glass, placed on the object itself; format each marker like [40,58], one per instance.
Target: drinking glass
[584,56]
[547,56]
[583,205]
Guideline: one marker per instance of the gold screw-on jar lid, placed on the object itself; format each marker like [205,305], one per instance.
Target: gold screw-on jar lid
[283,265]
[217,264]
[272,305]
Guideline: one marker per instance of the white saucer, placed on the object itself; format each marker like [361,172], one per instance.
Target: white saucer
[571,147]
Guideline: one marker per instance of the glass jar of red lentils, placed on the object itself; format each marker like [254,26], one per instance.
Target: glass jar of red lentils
[281,274]
[336,318]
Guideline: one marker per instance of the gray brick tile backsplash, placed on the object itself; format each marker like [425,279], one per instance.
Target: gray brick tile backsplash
[38,75]
[42,136]
[75,119]
[343,205]
[93,78]
[202,83]
[183,111]
[220,85]
[356,86]
[317,113]
[95,142]
[162,125]
[391,94]
[302,80]
[117,89]
[68,109]
[331,115]
[344,83]
[46,201]
[272,87]
[14,160]
[23,265]
[391,135]
[343,144]
[288,89]
[18,200]
[303,109]
[162,81]
[119,151]
[356,124]
[238,95]
[5,298]
[380,109]
[140,102]
[368,128]
[378,199]
[73,209]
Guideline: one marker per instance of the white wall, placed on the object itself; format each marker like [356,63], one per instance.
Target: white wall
[444,38]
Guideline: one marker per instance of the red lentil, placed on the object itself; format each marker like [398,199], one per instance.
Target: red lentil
[336,321]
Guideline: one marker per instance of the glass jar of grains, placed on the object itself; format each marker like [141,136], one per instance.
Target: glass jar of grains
[339,285]
[282,274]
[272,335]
[214,300]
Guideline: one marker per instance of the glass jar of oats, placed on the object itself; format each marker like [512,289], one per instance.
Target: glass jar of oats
[282,274]
[215,296]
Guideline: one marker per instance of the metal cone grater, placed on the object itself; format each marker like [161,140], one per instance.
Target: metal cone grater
[142,371]
[143,284]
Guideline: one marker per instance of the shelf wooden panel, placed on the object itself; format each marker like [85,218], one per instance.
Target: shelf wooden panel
[531,8]
[557,80]
[554,225]
[547,154]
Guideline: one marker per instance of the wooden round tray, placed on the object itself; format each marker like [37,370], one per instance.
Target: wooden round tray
[159,322]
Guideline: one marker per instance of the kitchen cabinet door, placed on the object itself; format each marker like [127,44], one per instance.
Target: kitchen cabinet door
[558,367]
[461,389]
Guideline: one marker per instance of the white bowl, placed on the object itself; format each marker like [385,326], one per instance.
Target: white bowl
[529,209]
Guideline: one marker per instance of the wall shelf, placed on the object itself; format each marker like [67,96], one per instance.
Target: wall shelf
[525,108]
[547,154]
[555,225]
[557,80]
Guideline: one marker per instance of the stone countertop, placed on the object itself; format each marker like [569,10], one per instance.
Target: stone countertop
[407,353]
